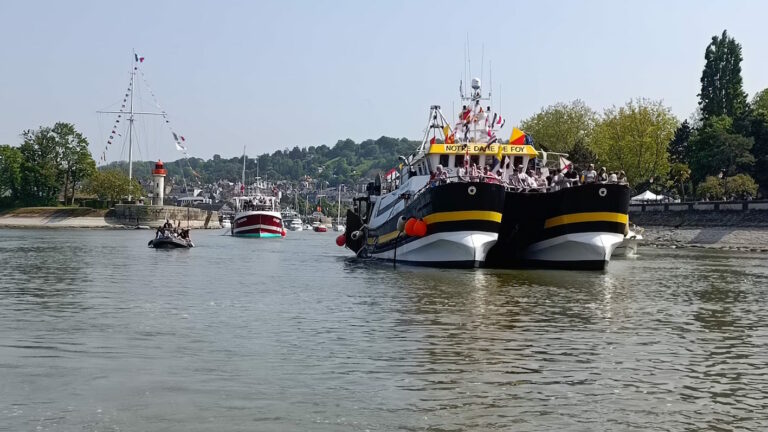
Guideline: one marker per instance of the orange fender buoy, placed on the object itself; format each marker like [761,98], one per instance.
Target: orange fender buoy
[409,226]
[420,228]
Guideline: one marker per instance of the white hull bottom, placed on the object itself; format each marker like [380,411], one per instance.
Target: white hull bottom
[448,249]
[587,250]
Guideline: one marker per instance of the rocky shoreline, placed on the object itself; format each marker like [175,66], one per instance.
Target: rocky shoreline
[752,239]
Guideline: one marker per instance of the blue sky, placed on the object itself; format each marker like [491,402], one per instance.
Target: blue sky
[272,75]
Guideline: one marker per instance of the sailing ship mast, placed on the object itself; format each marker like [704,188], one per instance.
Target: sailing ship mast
[131,116]
[242,191]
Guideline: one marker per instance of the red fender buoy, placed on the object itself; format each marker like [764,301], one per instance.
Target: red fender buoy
[341,240]
[409,226]
[420,228]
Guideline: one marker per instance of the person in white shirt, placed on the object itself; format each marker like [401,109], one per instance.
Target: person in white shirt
[613,178]
[590,175]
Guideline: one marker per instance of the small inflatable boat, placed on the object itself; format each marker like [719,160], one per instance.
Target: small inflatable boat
[170,243]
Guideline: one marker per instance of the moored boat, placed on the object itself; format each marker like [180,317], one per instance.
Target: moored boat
[572,228]
[257,216]
[425,212]
[292,220]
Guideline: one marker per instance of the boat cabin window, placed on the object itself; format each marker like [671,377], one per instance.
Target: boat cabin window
[474,159]
[444,160]
[517,161]
[459,161]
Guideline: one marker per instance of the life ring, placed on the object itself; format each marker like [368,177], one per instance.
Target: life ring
[602,192]
[471,190]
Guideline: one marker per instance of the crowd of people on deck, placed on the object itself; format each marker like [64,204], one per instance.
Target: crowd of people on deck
[533,179]
[167,230]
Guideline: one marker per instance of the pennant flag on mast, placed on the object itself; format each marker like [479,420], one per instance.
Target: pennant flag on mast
[517,137]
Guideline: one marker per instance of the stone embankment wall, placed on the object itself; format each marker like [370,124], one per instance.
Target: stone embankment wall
[740,225]
[131,214]
[122,216]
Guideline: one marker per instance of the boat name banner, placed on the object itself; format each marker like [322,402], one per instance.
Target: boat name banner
[477,148]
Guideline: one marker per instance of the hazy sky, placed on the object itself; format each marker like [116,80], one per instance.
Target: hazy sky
[272,75]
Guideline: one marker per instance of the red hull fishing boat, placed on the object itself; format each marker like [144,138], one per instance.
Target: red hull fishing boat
[258,217]
[257,214]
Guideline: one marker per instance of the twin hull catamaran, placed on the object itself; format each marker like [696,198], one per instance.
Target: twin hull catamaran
[467,218]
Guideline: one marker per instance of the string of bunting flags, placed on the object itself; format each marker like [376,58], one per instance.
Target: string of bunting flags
[178,139]
[114,130]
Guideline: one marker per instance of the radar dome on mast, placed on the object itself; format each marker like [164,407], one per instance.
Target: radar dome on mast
[476,83]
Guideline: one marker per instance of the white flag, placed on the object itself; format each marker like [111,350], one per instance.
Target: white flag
[180,147]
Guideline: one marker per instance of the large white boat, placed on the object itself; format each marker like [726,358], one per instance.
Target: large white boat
[292,220]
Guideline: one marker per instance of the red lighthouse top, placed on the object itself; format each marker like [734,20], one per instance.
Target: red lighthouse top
[159,169]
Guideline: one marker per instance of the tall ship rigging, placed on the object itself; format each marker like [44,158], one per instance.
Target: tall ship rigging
[135,106]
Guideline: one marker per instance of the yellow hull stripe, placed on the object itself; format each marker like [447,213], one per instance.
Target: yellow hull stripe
[462,216]
[586,217]
[446,217]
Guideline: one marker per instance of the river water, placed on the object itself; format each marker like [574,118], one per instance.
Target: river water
[97,332]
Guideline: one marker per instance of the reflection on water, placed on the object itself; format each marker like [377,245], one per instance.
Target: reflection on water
[99,332]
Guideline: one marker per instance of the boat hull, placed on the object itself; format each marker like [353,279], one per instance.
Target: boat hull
[574,228]
[462,221]
[257,224]
[170,243]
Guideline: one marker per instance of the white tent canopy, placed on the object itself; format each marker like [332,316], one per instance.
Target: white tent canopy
[647,196]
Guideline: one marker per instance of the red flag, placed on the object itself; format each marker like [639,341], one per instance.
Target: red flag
[432,141]
[182,138]
[141,59]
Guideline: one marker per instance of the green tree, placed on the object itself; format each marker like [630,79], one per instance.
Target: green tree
[678,147]
[715,148]
[560,127]
[759,104]
[758,131]
[711,188]
[113,185]
[634,138]
[11,160]
[679,177]
[40,168]
[740,186]
[75,160]
[722,90]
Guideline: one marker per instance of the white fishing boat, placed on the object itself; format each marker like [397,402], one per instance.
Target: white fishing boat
[292,220]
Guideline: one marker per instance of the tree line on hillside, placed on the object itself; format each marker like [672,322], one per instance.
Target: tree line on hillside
[718,154]
[344,163]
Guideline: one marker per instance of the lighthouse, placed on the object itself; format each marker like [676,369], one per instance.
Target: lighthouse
[158,180]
